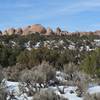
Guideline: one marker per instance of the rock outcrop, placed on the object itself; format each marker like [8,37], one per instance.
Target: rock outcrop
[0,33]
[97,32]
[26,30]
[58,31]
[4,33]
[65,33]
[49,31]
[19,31]
[9,31]
[36,28]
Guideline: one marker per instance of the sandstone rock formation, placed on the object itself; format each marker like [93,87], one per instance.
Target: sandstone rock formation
[97,32]
[65,33]
[19,31]
[85,33]
[58,31]
[26,30]
[0,33]
[9,31]
[49,31]
[5,32]
[38,28]
[33,29]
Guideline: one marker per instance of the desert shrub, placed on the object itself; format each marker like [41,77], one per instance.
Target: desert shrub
[47,70]
[47,95]
[91,64]
[81,80]
[1,74]
[33,57]
[82,87]
[27,80]
[8,55]
[92,96]
[3,94]
[55,57]
[12,73]
[23,57]
[77,78]
[70,68]
[40,74]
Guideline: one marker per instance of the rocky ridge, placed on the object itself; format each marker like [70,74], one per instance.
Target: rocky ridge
[38,28]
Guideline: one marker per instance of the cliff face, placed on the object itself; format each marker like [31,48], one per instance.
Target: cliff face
[37,28]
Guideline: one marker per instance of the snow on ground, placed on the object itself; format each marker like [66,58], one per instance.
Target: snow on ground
[21,97]
[70,96]
[95,89]
[60,76]
[13,86]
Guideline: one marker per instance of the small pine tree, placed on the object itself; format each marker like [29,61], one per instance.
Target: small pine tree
[91,64]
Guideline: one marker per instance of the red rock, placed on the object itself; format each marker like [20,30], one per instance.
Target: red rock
[49,31]
[5,32]
[0,33]
[97,32]
[9,31]
[38,28]
[26,30]
[19,31]
[58,31]
[33,29]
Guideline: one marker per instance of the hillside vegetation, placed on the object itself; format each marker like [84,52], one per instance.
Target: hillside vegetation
[49,60]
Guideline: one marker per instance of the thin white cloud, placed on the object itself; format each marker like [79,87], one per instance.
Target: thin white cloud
[71,9]
[95,25]
[88,5]
[63,9]
[15,5]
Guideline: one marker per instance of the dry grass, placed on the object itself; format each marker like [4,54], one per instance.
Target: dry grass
[92,96]
[47,95]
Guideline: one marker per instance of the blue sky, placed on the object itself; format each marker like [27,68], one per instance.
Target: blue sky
[71,15]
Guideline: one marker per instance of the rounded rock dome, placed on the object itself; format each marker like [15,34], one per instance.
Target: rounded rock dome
[37,28]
